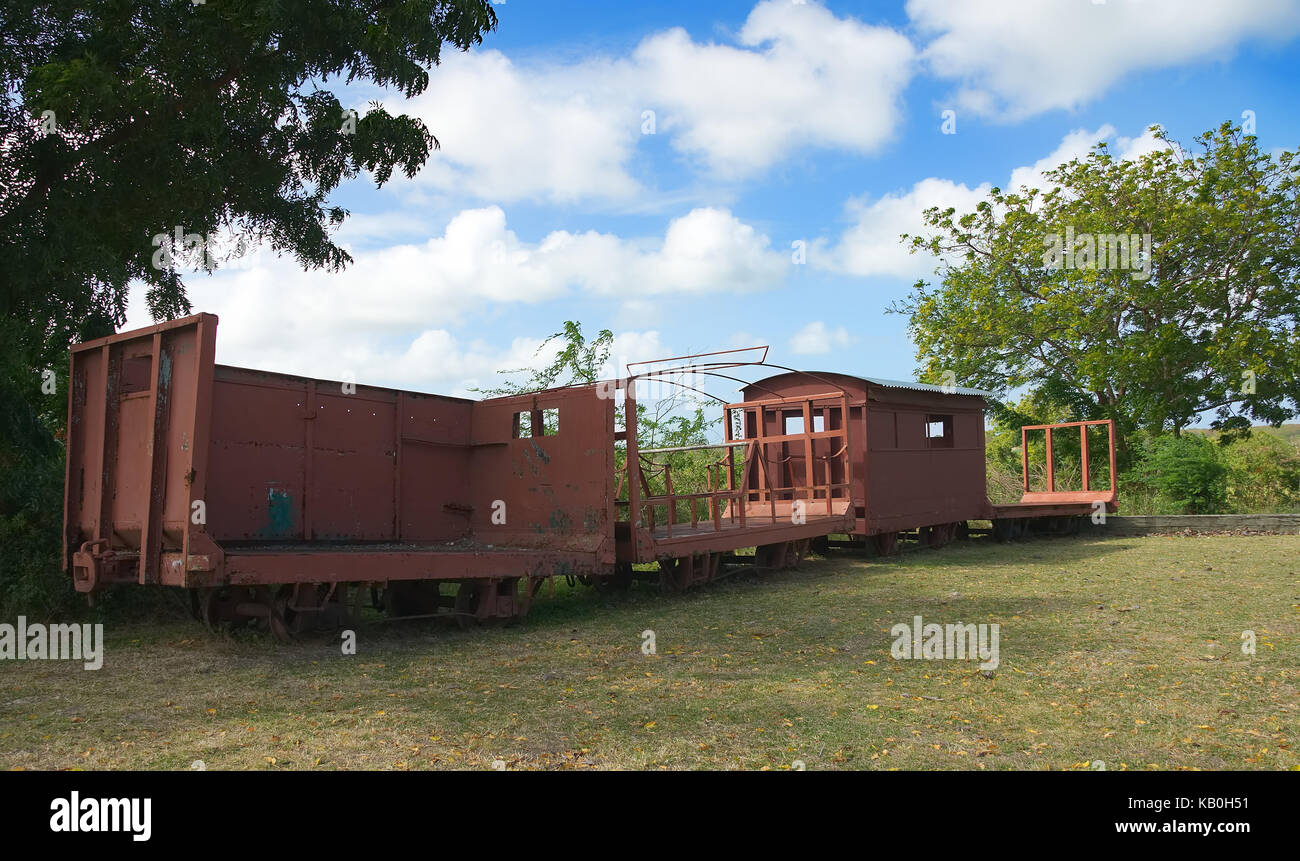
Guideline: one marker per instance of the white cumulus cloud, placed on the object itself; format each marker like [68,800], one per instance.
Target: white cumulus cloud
[794,76]
[390,316]
[799,76]
[816,338]
[1016,58]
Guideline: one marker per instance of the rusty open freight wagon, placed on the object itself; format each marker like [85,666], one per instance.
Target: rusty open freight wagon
[288,499]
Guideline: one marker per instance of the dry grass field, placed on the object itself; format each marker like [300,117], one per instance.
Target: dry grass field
[1124,651]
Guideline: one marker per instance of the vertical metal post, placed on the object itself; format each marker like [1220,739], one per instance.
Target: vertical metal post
[160,387]
[1111,431]
[1024,456]
[110,385]
[76,430]
[850,454]
[731,465]
[808,478]
[1051,475]
[672,503]
[308,455]
[1083,448]
[744,481]
[205,339]
[633,460]
[762,430]
[399,411]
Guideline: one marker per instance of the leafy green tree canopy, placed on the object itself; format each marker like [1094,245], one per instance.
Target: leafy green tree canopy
[578,362]
[1149,290]
[126,120]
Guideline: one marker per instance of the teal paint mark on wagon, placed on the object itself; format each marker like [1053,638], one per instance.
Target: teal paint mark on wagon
[279,513]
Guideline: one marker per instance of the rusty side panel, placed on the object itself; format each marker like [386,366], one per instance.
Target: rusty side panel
[131,449]
[296,459]
[533,488]
[917,480]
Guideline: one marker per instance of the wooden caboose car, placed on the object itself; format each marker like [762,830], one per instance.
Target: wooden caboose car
[918,459]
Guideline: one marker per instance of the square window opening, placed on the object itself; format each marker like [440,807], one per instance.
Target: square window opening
[938,431]
[533,423]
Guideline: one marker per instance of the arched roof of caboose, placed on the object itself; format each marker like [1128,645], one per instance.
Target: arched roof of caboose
[768,382]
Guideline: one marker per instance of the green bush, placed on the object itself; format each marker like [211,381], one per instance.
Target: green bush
[31,485]
[32,581]
[1186,474]
[1263,474]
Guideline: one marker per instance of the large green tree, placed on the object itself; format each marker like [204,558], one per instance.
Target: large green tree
[128,120]
[1150,290]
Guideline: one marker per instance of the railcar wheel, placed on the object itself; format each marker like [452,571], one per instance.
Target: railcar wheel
[886,543]
[942,534]
[218,610]
[278,620]
[207,610]
[354,607]
[619,581]
[774,556]
[411,598]
[682,573]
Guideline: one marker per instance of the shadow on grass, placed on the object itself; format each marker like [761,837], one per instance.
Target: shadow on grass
[589,612]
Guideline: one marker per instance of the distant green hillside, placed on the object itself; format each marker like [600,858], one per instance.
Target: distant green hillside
[1290,433]
[1287,432]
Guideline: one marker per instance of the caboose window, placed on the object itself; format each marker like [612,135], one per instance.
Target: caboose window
[938,431]
[531,423]
[794,424]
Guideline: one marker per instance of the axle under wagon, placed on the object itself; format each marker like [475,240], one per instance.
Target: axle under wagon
[290,499]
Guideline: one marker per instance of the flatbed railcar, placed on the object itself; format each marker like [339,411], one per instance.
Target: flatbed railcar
[293,500]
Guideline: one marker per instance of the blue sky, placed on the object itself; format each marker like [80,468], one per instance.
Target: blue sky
[774,122]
